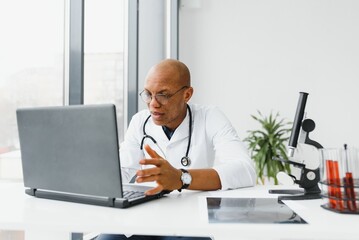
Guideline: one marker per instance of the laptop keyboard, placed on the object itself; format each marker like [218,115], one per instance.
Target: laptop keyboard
[133,194]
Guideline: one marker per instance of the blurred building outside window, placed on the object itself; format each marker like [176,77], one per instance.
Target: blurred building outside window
[32,63]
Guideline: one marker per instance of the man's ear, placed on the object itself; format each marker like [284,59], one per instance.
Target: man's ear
[188,94]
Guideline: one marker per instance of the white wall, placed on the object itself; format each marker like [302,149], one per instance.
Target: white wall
[249,55]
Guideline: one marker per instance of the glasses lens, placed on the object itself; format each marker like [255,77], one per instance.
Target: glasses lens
[162,98]
[146,96]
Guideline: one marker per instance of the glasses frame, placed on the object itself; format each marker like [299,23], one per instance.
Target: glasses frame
[166,96]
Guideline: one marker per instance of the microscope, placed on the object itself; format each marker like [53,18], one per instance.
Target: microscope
[309,175]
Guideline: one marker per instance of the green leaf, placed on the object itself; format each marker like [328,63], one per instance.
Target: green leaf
[267,142]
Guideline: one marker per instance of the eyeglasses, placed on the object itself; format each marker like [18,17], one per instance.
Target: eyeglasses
[160,97]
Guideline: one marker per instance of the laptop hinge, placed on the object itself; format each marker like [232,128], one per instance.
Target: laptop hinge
[31,191]
[111,202]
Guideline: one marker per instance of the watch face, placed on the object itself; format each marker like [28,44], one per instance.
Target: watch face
[186,178]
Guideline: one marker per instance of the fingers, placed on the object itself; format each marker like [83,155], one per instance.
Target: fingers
[155,190]
[151,152]
[160,174]
[148,172]
[154,161]
[147,177]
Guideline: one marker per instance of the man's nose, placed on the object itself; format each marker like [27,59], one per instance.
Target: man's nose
[154,102]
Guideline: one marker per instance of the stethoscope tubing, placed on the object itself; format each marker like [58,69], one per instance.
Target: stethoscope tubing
[185,161]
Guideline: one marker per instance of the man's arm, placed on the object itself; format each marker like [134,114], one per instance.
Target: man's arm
[204,179]
[169,178]
[232,161]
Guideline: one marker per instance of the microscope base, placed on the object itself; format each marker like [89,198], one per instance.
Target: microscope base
[286,191]
[303,196]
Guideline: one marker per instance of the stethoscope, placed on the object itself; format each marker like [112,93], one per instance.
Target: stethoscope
[185,161]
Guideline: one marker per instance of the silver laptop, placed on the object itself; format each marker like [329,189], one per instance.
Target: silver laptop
[71,153]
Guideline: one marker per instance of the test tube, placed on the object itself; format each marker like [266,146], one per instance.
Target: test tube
[330,179]
[337,190]
[349,184]
[332,158]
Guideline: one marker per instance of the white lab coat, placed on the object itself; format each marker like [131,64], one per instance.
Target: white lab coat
[214,144]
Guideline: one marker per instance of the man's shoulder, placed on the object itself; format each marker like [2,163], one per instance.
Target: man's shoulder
[202,107]
[211,116]
[205,109]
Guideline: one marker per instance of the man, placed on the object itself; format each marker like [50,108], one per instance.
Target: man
[178,145]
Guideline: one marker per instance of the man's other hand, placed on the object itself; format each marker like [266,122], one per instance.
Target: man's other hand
[166,176]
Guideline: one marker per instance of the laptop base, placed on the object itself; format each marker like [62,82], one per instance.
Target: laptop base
[92,200]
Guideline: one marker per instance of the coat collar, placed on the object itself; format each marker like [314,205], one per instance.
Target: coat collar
[180,133]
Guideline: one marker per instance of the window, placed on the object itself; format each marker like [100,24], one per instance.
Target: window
[31,73]
[104,55]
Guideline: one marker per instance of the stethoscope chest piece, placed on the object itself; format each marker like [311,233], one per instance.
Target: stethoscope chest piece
[186,161]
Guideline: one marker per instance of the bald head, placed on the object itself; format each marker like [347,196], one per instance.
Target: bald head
[173,71]
[168,89]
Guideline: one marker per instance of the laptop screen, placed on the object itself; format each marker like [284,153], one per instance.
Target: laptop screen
[71,149]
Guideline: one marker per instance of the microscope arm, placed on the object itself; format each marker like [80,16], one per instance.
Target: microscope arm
[308,126]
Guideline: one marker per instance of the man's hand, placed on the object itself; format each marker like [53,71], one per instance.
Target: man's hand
[166,176]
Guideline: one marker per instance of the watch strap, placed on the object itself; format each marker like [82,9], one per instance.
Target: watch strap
[184,185]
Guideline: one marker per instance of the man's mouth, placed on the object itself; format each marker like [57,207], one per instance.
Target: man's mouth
[157,115]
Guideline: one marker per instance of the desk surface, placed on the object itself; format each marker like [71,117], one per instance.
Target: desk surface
[182,214]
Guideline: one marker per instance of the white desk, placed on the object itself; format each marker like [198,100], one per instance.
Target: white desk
[177,214]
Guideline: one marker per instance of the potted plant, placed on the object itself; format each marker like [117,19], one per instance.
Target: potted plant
[267,143]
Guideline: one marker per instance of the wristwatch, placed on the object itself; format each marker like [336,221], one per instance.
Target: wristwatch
[186,179]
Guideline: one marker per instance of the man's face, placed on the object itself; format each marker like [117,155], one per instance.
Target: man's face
[166,82]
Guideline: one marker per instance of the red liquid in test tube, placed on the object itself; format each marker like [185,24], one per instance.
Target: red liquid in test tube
[330,179]
[349,184]
[337,190]
[349,192]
